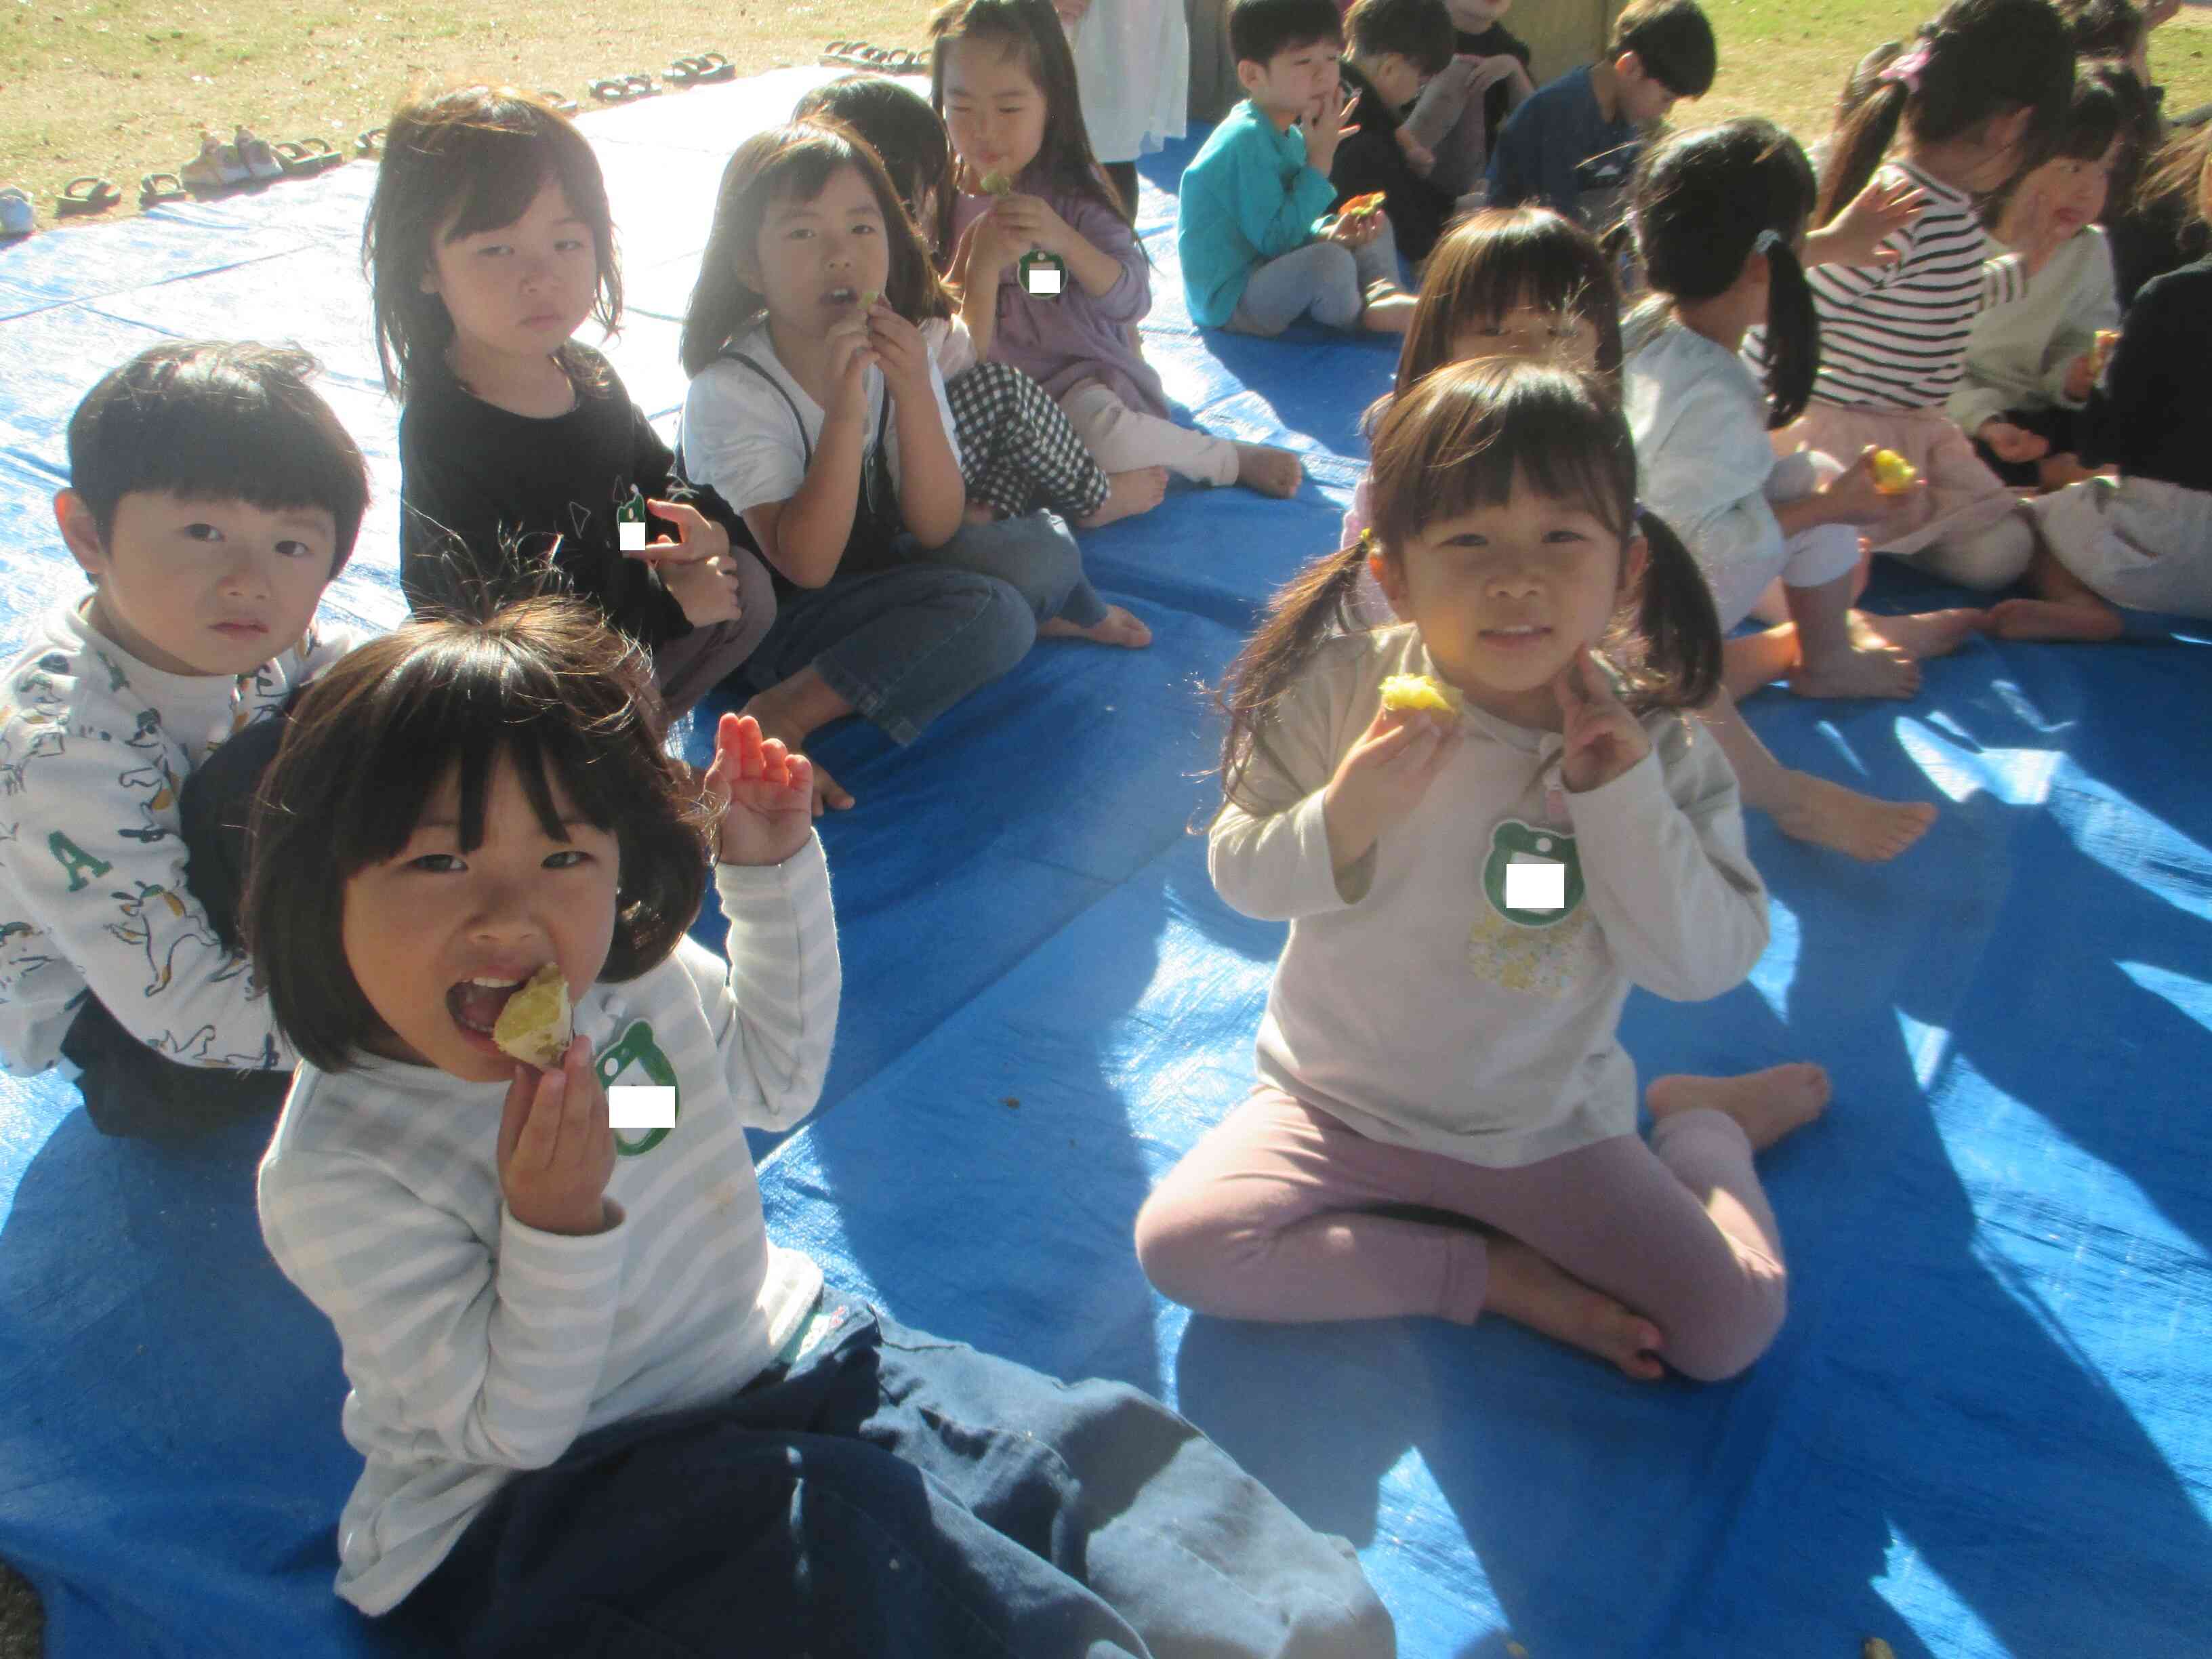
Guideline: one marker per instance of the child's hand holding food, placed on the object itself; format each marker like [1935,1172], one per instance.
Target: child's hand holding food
[557,1148]
[1390,769]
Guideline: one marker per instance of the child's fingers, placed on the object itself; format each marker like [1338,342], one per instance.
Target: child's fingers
[541,1131]
[515,1111]
[686,518]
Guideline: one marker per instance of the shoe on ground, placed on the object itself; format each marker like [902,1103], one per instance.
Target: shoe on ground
[18,217]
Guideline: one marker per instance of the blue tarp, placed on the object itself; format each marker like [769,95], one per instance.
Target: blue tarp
[1983,1430]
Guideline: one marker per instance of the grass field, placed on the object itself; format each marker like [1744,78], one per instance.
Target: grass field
[122,87]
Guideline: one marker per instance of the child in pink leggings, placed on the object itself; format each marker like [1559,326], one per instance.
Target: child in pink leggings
[1445,1121]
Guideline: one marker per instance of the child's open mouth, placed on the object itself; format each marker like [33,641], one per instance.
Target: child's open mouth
[842,296]
[475,1004]
[1514,639]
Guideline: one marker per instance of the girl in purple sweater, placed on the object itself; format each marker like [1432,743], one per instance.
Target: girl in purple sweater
[1004,81]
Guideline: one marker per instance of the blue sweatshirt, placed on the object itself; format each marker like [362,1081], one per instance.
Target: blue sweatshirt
[1558,150]
[1249,198]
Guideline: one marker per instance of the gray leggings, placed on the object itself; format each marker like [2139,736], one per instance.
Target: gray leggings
[1326,278]
[1281,1212]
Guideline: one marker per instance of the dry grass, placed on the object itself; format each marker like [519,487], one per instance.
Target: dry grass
[122,87]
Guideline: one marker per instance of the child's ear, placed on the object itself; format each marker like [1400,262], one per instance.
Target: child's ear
[1629,67]
[80,533]
[1251,76]
[428,283]
[1390,577]
[1634,557]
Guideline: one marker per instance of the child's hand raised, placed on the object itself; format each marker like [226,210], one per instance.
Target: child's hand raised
[898,345]
[1604,740]
[851,351]
[1325,129]
[1031,221]
[1854,236]
[766,794]
[1382,778]
[556,1149]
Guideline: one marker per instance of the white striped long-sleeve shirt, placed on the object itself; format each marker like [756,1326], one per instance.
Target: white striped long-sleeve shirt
[1895,337]
[477,1346]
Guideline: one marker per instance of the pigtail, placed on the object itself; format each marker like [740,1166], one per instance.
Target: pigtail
[1315,604]
[1863,136]
[1678,649]
[1793,332]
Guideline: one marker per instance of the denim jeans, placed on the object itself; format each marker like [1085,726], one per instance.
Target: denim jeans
[893,1496]
[1324,278]
[903,645]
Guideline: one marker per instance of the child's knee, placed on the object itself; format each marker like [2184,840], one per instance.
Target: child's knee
[1734,1325]
[1181,1246]
[1341,296]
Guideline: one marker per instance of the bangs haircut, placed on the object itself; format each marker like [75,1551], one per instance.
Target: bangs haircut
[794,164]
[1465,437]
[545,686]
[1260,31]
[458,163]
[218,419]
[897,123]
[1494,261]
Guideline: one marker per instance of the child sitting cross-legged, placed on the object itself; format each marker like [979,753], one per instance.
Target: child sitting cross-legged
[1259,246]
[212,496]
[598,1405]
[1396,46]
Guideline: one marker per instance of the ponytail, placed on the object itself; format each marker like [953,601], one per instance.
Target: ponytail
[1976,60]
[1862,138]
[1312,605]
[1677,659]
[1793,334]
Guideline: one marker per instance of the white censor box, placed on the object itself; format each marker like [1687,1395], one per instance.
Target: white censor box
[633,537]
[1539,885]
[1043,279]
[641,1106]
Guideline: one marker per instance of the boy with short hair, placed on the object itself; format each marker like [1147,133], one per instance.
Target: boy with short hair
[1462,107]
[1259,246]
[1573,145]
[212,497]
[1396,46]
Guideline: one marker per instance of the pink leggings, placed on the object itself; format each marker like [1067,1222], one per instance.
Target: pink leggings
[1273,1216]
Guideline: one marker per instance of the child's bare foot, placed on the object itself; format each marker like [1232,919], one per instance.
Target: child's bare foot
[1769,1104]
[1127,493]
[1881,670]
[1116,626]
[1271,471]
[1845,821]
[1533,1290]
[2047,619]
[1930,633]
[1388,310]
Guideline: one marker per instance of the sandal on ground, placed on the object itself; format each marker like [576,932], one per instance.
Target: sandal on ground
[713,66]
[316,154]
[903,62]
[87,195]
[612,90]
[254,155]
[155,188]
[683,72]
[559,103]
[639,85]
[370,142]
[18,217]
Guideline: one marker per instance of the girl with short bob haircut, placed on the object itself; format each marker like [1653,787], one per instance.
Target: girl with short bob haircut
[1717,216]
[544,1319]
[817,410]
[1439,1033]
[489,244]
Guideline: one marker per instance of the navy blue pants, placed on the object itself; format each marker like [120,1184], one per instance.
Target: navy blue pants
[893,1496]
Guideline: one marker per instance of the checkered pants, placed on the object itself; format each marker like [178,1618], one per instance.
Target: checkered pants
[1018,449]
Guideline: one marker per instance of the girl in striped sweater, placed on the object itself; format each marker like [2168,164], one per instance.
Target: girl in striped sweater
[1979,93]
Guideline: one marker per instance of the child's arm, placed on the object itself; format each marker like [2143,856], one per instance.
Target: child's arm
[932,495]
[973,274]
[1663,860]
[740,440]
[2093,308]
[1276,216]
[97,864]
[775,1012]
[451,533]
[491,1352]
[1106,272]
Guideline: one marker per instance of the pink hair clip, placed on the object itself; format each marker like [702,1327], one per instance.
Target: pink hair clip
[1906,67]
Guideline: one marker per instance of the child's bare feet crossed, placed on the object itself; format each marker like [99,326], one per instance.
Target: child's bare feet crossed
[1533,1290]
[1127,493]
[1116,626]
[1927,633]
